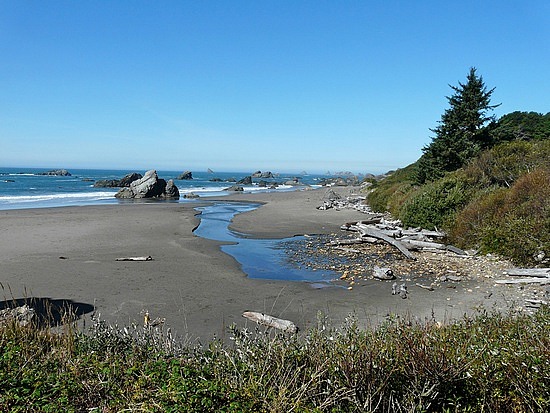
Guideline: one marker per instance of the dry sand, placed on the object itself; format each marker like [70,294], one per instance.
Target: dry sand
[69,254]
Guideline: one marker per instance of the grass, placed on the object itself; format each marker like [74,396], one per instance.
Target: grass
[490,362]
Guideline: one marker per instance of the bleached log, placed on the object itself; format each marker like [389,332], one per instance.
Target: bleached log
[456,250]
[426,287]
[529,272]
[147,258]
[270,321]
[425,232]
[375,233]
[528,280]
[422,244]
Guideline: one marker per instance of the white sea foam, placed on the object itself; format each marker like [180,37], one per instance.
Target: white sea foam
[57,197]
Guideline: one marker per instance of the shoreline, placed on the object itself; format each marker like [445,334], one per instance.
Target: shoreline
[69,253]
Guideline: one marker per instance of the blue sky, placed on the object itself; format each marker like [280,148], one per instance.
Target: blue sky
[245,85]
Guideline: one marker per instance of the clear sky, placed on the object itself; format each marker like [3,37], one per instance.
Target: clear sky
[244,85]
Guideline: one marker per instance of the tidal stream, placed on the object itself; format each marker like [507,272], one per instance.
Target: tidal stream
[259,258]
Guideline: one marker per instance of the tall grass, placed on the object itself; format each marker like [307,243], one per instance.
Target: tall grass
[490,362]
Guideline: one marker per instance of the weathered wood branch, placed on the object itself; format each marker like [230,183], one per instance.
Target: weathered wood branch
[367,231]
[147,258]
[528,280]
[426,287]
[529,272]
[270,321]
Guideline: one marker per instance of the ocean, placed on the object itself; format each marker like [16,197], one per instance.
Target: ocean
[22,188]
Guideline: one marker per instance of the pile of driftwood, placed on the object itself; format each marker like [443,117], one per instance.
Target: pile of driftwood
[405,240]
[332,200]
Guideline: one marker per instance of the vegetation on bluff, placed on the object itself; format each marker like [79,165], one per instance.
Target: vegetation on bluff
[486,182]
[490,362]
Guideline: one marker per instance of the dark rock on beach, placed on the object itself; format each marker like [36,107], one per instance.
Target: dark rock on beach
[150,186]
[118,183]
[187,175]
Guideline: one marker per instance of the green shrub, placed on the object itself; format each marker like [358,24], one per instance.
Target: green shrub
[435,204]
[512,222]
[390,193]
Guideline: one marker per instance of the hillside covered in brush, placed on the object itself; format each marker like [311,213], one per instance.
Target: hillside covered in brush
[486,182]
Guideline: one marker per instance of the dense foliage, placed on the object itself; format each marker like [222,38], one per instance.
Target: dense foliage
[486,184]
[490,362]
[461,133]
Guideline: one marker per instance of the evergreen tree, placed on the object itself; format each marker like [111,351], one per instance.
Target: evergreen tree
[461,132]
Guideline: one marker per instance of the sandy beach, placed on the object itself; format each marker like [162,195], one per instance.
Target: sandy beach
[69,254]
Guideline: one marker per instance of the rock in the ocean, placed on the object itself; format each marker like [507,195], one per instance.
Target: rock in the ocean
[118,183]
[150,186]
[171,191]
[236,188]
[247,180]
[185,175]
[57,172]
[260,174]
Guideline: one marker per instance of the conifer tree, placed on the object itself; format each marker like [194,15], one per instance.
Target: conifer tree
[462,130]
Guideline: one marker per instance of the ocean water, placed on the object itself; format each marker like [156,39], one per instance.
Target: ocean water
[26,188]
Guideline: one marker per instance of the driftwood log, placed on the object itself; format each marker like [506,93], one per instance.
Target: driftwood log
[147,258]
[367,231]
[270,321]
[527,280]
[529,272]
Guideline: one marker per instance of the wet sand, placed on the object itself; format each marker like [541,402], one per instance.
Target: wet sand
[69,254]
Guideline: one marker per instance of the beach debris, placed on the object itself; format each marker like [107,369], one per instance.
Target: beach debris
[529,272]
[270,321]
[530,276]
[383,273]
[333,200]
[394,289]
[426,287]
[371,231]
[147,258]
[405,240]
[403,291]
[22,315]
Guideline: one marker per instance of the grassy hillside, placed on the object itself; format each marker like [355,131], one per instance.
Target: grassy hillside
[499,202]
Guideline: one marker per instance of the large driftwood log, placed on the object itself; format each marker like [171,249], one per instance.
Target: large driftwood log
[375,233]
[529,272]
[270,321]
[147,258]
[528,280]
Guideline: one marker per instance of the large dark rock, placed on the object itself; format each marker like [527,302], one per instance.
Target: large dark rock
[235,188]
[57,172]
[264,175]
[247,180]
[150,186]
[187,175]
[171,191]
[118,183]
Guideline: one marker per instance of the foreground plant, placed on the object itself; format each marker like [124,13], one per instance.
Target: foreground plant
[490,362]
